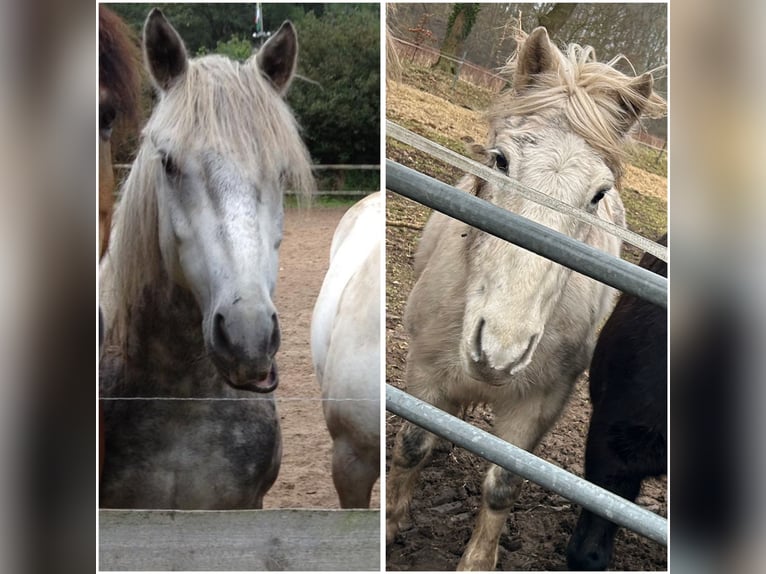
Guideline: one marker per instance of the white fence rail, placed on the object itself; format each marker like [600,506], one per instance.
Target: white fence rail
[317,167]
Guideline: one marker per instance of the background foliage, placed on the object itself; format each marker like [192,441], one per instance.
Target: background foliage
[336,97]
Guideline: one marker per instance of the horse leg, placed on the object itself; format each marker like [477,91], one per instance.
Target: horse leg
[499,492]
[590,547]
[352,474]
[411,453]
[522,424]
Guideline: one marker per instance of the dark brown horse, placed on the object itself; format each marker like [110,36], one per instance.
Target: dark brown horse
[119,84]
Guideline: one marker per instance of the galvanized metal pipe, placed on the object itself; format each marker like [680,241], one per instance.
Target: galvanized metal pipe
[527,465]
[528,234]
[503,182]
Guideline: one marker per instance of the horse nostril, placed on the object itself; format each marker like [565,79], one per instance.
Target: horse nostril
[476,352]
[275,339]
[221,340]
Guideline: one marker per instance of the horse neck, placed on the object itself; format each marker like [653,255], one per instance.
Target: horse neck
[164,352]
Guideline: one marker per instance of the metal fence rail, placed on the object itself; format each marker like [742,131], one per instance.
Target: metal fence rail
[504,182]
[517,460]
[520,231]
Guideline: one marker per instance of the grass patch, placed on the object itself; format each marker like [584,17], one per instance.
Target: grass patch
[456,145]
[422,162]
[648,159]
[647,216]
[347,179]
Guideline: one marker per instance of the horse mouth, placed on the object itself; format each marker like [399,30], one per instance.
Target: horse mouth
[483,373]
[264,385]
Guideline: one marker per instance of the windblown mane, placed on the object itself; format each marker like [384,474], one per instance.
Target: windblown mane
[218,105]
[587,92]
[119,64]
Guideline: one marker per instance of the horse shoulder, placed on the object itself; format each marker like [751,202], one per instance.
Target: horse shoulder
[355,335]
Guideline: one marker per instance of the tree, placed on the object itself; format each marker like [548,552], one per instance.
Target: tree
[459,25]
[200,25]
[555,19]
[235,48]
[421,33]
[339,107]
[636,30]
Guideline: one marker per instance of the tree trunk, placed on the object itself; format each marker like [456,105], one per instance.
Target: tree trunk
[461,21]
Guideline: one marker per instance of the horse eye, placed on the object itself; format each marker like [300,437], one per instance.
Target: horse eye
[501,162]
[107,115]
[599,195]
[170,167]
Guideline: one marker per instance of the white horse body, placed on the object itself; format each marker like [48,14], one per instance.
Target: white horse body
[345,346]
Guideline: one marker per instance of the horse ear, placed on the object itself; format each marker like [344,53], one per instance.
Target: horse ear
[634,99]
[537,56]
[278,57]
[164,51]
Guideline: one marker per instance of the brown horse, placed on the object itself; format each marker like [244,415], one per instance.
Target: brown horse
[119,84]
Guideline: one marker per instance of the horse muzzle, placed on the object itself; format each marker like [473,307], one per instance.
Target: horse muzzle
[257,385]
[490,359]
[243,347]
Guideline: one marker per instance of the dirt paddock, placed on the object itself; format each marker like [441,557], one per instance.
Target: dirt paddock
[304,479]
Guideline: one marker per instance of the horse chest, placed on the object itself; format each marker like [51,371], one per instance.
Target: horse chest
[181,440]
[179,454]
